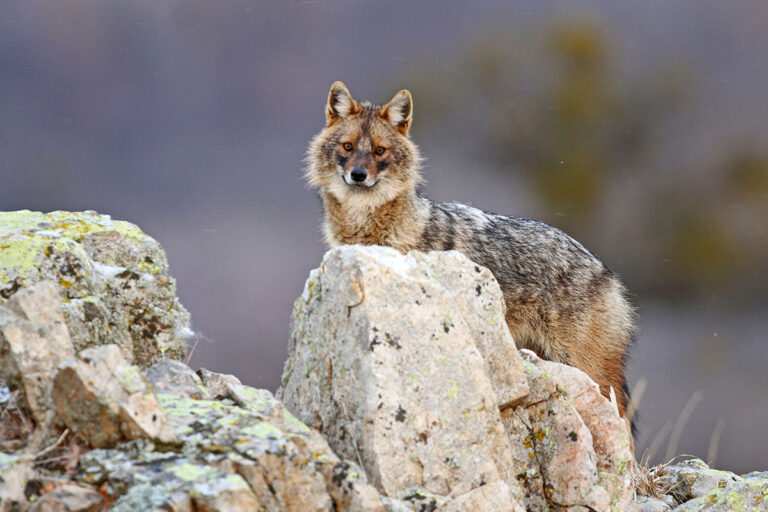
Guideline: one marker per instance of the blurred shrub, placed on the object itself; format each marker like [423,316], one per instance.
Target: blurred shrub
[592,139]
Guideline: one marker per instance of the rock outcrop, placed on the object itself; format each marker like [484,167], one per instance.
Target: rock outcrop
[409,392]
[406,363]
[112,279]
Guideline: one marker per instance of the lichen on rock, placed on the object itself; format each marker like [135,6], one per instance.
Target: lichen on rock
[112,279]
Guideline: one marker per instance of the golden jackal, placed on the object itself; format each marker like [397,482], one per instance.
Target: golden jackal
[561,301]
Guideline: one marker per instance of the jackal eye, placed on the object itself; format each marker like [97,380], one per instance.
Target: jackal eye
[380,150]
[348,146]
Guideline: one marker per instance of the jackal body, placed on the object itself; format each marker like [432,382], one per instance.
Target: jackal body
[561,301]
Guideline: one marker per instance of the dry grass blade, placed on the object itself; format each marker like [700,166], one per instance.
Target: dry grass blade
[191,352]
[637,394]
[685,414]
[714,442]
[653,481]
[661,435]
[54,445]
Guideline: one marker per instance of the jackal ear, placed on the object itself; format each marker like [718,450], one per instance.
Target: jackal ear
[340,103]
[399,111]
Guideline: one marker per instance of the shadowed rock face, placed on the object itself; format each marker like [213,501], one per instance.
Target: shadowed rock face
[112,279]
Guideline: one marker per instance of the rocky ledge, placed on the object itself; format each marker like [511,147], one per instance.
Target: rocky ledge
[402,391]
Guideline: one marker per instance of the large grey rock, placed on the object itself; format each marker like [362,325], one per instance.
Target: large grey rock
[394,359]
[112,280]
[33,342]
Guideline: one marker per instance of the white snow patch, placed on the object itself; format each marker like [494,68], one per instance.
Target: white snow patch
[313,274]
[184,333]
[402,264]
[51,234]
[107,271]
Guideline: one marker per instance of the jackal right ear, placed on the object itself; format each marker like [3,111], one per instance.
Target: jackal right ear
[340,103]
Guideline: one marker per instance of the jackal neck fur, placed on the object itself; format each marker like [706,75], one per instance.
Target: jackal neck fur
[398,223]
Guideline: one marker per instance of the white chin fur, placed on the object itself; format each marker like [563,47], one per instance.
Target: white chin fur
[365,197]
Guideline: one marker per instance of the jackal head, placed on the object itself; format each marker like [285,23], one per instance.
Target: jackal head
[364,154]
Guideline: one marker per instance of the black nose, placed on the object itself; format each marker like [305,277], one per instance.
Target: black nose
[358,174]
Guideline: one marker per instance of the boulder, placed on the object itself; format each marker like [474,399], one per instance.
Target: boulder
[112,280]
[394,359]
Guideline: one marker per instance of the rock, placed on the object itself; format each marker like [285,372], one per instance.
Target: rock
[33,342]
[693,478]
[105,399]
[747,494]
[216,383]
[493,497]
[112,280]
[15,471]
[569,445]
[395,364]
[417,499]
[649,504]
[69,498]
[171,376]
[245,452]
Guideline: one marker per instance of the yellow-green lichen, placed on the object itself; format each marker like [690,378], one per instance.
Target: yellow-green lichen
[292,421]
[263,430]
[21,255]
[131,379]
[191,472]
[454,389]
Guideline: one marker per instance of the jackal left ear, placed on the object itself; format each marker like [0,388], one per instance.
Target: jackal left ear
[399,111]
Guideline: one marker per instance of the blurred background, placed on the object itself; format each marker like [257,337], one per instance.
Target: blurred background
[640,128]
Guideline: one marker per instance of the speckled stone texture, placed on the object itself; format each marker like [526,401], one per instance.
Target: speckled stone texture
[394,359]
[111,277]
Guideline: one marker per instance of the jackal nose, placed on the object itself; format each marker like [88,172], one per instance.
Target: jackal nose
[358,174]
